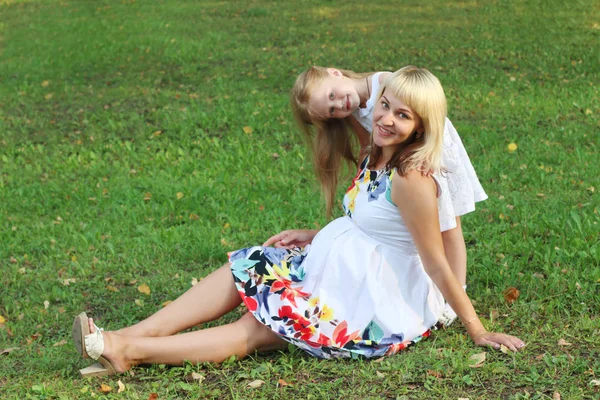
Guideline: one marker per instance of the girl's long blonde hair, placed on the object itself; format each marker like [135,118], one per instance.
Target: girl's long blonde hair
[332,141]
[423,93]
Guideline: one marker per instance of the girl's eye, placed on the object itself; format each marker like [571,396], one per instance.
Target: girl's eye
[331,96]
[385,105]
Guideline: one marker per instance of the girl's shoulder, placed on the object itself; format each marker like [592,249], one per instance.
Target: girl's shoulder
[382,75]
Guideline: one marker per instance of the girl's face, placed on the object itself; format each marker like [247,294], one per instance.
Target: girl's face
[333,97]
[393,121]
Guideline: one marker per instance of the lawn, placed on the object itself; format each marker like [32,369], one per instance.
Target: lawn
[143,140]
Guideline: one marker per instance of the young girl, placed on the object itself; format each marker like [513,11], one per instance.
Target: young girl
[369,284]
[338,102]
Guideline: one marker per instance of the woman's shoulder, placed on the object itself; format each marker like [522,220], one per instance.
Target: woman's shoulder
[414,182]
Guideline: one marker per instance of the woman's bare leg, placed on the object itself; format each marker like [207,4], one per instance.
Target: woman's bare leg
[456,252]
[211,298]
[240,338]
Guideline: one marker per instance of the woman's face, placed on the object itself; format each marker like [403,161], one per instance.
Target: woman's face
[393,121]
[333,97]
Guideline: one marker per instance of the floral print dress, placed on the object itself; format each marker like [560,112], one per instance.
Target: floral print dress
[358,290]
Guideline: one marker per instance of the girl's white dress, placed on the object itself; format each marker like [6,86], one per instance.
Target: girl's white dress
[461,188]
[359,289]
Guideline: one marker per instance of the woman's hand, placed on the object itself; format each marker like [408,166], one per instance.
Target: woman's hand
[495,339]
[291,238]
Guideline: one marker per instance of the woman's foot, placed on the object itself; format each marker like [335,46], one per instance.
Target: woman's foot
[114,349]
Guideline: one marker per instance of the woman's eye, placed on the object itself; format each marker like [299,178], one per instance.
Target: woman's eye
[331,96]
[385,105]
[402,115]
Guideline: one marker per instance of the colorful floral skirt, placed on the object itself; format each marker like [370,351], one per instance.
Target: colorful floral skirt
[339,296]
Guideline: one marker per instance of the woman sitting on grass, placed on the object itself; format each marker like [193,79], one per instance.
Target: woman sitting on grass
[368,284]
[332,104]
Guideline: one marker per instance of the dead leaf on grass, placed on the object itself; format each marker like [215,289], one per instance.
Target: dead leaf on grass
[511,295]
[143,288]
[477,360]
[8,350]
[504,349]
[105,388]
[2,319]
[282,383]
[595,382]
[563,342]
[111,288]
[153,396]
[256,384]
[194,281]
[556,396]
[198,377]
[121,386]
[61,343]
[380,375]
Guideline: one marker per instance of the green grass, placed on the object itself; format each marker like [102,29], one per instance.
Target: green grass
[109,109]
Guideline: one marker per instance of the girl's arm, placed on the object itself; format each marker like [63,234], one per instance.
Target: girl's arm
[292,238]
[416,199]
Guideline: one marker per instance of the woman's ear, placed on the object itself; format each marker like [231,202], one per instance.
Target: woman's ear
[334,72]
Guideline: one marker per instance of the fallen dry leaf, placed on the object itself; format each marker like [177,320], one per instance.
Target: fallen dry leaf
[180,195]
[143,288]
[2,319]
[477,360]
[198,377]
[46,304]
[68,281]
[556,396]
[105,388]
[153,396]
[512,147]
[504,349]
[256,384]
[8,350]
[595,382]
[247,130]
[194,281]
[563,342]
[111,288]
[380,374]
[61,343]
[511,295]
[138,302]
[166,303]
[121,386]
[282,383]
[380,359]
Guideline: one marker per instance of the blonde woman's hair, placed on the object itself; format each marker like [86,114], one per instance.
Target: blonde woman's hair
[423,93]
[331,141]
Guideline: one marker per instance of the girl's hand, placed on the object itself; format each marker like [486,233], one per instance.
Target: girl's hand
[291,238]
[495,339]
